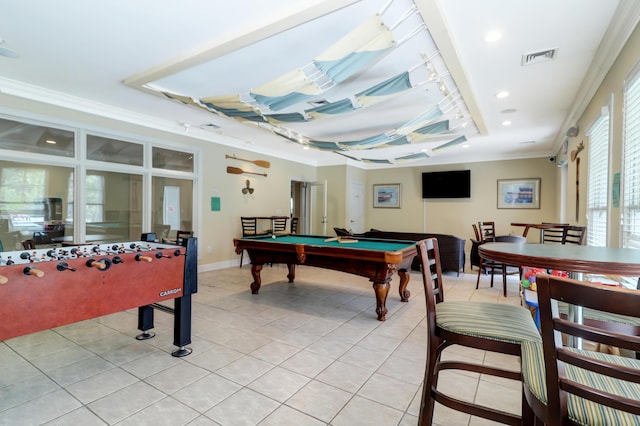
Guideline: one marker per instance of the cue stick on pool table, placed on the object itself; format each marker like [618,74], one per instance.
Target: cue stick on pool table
[347,240]
[341,240]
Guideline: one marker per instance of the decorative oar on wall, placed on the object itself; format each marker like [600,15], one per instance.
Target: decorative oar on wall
[574,157]
[237,171]
[259,163]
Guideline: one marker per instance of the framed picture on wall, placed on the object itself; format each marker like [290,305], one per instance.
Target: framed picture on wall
[519,193]
[387,195]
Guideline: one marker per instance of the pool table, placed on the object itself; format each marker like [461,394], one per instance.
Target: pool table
[376,259]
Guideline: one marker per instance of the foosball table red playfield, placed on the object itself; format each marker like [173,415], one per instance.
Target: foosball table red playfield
[50,287]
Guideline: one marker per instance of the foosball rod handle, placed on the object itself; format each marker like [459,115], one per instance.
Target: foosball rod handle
[96,264]
[30,270]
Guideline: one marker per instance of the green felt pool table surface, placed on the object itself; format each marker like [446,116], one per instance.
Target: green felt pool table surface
[321,241]
[375,259]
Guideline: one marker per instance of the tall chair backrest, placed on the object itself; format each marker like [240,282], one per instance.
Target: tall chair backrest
[294,225]
[29,244]
[496,327]
[181,235]
[487,231]
[429,255]
[553,234]
[574,235]
[249,226]
[476,232]
[280,225]
[593,379]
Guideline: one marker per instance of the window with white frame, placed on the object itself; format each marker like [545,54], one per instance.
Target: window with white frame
[111,194]
[22,191]
[598,181]
[95,198]
[630,223]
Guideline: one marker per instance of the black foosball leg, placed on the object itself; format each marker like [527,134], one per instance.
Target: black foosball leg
[182,326]
[145,322]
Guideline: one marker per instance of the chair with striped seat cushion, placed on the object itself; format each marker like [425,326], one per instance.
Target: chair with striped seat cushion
[495,327]
[533,373]
[565,385]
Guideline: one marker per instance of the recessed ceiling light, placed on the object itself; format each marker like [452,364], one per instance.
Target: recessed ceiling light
[51,141]
[502,94]
[466,145]
[506,123]
[493,36]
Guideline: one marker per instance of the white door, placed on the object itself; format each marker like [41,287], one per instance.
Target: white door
[317,208]
[356,207]
[171,207]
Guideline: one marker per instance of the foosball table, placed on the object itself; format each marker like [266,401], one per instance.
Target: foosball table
[46,288]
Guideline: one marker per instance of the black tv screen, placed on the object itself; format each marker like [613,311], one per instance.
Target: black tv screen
[449,184]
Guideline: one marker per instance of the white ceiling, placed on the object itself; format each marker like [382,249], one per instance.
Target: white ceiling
[98,56]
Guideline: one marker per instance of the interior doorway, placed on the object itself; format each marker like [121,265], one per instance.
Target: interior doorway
[309,205]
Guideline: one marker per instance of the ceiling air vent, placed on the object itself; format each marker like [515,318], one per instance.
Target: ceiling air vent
[539,57]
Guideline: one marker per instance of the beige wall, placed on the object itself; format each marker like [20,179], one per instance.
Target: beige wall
[455,216]
[609,93]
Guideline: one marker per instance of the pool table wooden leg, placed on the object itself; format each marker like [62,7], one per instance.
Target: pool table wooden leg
[292,271]
[257,282]
[404,282]
[381,290]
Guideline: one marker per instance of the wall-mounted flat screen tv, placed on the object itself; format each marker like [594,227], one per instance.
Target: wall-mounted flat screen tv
[448,184]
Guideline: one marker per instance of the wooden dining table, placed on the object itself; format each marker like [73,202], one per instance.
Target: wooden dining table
[566,257]
[539,226]
[575,259]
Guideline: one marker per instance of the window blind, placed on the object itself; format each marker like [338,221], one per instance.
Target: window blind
[598,182]
[630,223]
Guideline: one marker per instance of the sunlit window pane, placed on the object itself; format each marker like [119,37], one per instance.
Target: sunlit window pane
[114,151]
[32,203]
[25,137]
[114,206]
[172,201]
[172,160]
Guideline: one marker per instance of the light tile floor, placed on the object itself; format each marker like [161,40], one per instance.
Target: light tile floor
[309,353]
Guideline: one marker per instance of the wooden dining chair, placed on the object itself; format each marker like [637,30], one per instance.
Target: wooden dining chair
[487,231]
[29,244]
[494,327]
[553,234]
[249,228]
[294,225]
[476,232]
[574,235]
[474,257]
[564,385]
[491,267]
[181,235]
[279,225]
